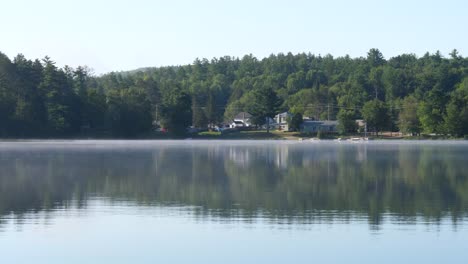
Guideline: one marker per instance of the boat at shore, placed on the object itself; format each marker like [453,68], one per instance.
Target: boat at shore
[358,139]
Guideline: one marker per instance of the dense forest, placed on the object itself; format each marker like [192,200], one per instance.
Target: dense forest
[427,94]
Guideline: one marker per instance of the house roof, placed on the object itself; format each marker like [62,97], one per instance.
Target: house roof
[243,115]
[238,122]
[285,114]
[321,123]
[330,123]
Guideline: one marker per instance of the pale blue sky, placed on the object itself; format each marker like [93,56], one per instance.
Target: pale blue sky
[123,35]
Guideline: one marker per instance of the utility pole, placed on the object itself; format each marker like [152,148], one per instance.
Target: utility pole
[365,129]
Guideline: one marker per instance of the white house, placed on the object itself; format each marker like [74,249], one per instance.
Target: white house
[236,124]
[243,117]
[281,121]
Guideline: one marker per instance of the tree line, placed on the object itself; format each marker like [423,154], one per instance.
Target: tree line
[407,93]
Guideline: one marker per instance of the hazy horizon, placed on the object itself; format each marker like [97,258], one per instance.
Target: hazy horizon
[123,35]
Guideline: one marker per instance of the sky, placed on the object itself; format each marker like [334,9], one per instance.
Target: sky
[117,35]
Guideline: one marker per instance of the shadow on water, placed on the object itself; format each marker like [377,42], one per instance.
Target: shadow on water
[279,182]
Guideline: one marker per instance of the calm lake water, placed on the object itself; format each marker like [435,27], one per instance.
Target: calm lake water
[233,202]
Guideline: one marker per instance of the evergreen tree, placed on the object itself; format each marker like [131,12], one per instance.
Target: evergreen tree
[7,100]
[265,105]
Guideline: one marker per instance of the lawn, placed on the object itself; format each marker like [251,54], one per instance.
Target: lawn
[255,134]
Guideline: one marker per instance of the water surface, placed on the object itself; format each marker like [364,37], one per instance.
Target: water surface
[233,202]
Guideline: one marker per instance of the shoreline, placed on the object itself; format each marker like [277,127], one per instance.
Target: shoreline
[299,140]
[249,135]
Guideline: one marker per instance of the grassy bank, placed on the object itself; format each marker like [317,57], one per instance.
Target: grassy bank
[260,134]
[280,135]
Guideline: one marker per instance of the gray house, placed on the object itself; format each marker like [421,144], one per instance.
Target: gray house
[323,126]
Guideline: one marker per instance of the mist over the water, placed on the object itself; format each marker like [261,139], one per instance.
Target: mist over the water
[297,182]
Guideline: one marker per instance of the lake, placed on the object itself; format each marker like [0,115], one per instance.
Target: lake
[233,202]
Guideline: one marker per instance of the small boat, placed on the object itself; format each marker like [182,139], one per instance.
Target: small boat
[358,139]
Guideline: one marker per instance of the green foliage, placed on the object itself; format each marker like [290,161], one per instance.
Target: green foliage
[408,118]
[347,121]
[376,115]
[56,91]
[94,110]
[309,102]
[375,58]
[232,109]
[431,111]
[265,104]
[176,113]
[7,101]
[199,118]
[295,122]
[129,112]
[39,99]
[456,118]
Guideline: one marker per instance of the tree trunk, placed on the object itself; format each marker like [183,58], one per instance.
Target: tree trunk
[268,125]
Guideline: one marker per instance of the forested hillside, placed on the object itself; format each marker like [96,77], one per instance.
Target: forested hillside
[427,94]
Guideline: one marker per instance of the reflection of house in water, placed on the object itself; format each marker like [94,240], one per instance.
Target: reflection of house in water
[314,156]
[320,162]
[361,154]
[240,156]
[243,157]
[281,156]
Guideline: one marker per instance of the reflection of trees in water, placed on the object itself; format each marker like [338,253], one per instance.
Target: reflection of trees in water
[283,182]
